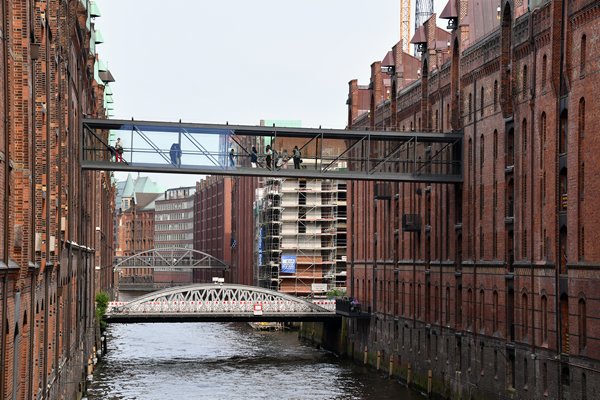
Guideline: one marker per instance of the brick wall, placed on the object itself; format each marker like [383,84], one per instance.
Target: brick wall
[56,217]
[502,276]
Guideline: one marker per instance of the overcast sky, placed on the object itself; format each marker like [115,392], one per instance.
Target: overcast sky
[241,61]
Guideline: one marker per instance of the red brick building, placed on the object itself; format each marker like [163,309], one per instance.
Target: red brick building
[496,292]
[56,223]
[212,222]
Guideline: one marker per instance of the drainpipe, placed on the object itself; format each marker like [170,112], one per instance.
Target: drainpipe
[6,193]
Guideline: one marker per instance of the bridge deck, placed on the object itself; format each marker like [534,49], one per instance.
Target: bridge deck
[185,148]
[194,317]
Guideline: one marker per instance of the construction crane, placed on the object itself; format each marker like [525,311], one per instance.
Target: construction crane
[405,24]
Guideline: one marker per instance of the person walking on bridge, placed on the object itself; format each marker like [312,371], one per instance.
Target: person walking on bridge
[296,155]
[269,155]
[119,150]
[254,157]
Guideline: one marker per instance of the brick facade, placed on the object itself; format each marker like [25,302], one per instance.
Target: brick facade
[56,224]
[212,222]
[497,292]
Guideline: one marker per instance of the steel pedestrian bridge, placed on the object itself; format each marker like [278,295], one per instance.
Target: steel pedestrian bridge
[205,149]
[169,259]
[219,303]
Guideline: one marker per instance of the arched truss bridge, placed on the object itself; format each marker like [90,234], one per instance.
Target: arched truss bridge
[169,259]
[219,303]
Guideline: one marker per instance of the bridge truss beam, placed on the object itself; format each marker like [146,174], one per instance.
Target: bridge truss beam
[186,148]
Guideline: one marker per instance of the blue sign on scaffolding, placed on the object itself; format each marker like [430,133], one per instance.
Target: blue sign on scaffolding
[288,264]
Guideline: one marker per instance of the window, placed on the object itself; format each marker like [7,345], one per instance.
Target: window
[583,55]
[544,70]
[495,144]
[524,88]
[581,122]
[470,106]
[524,138]
[525,373]
[582,319]
[495,95]
[542,138]
[481,102]
[582,244]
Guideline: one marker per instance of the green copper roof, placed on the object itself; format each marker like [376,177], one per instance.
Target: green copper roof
[97,74]
[94,10]
[98,37]
[101,66]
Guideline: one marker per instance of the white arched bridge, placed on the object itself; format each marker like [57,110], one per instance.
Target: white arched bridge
[219,303]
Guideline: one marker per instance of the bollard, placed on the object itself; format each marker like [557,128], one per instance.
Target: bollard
[391,370]
[365,356]
[429,381]
[378,359]
[409,374]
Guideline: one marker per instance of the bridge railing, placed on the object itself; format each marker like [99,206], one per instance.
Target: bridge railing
[187,307]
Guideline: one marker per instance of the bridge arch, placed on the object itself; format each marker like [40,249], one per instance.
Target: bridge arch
[217,300]
[171,258]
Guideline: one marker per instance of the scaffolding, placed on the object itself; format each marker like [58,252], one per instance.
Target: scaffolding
[301,234]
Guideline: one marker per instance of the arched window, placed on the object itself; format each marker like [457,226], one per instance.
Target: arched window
[583,55]
[544,71]
[524,138]
[524,88]
[495,144]
[542,138]
[495,95]
[581,122]
[482,103]
[544,322]
[470,106]
[582,320]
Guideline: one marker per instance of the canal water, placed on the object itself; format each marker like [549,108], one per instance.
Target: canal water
[228,361]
